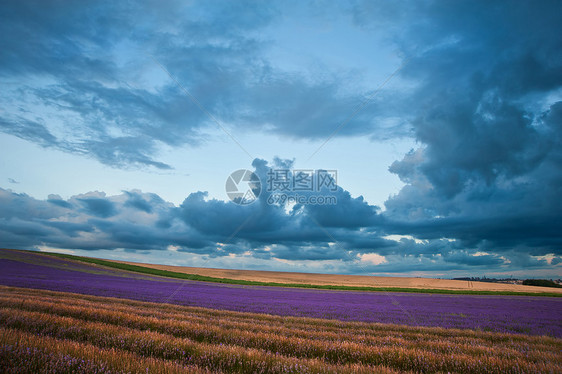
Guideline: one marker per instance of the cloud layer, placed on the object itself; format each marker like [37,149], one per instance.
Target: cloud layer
[89,79]
[350,236]
[483,100]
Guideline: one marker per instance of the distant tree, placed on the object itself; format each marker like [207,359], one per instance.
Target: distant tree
[541,283]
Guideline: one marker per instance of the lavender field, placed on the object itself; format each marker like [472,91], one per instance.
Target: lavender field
[63,316]
[507,314]
[52,332]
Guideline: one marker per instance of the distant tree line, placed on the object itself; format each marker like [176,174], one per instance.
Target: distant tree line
[541,283]
[484,279]
[526,282]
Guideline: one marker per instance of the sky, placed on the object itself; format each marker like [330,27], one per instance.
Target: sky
[438,122]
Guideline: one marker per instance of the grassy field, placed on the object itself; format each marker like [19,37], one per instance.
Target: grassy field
[148,269]
[71,333]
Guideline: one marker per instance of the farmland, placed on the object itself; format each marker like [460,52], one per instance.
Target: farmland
[58,315]
[425,284]
[321,281]
[104,331]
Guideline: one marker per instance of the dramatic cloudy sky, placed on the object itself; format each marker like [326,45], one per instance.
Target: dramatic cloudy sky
[121,121]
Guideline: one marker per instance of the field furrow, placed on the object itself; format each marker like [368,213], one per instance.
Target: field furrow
[329,345]
[227,341]
[43,354]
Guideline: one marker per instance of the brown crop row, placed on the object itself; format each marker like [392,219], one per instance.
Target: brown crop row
[132,336]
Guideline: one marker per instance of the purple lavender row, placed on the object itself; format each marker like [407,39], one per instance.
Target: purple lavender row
[514,314]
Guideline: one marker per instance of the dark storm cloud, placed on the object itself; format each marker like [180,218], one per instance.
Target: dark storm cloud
[486,112]
[482,189]
[74,48]
[139,221]
[218,218]
[463,258]
[57,200]
[88,69]
[349,212]
[22,206]
[29,130]
[94,221]
[99,207]
[312,253]
[485,76]
[139,201]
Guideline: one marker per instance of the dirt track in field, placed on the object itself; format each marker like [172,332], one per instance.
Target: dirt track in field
[349,280]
